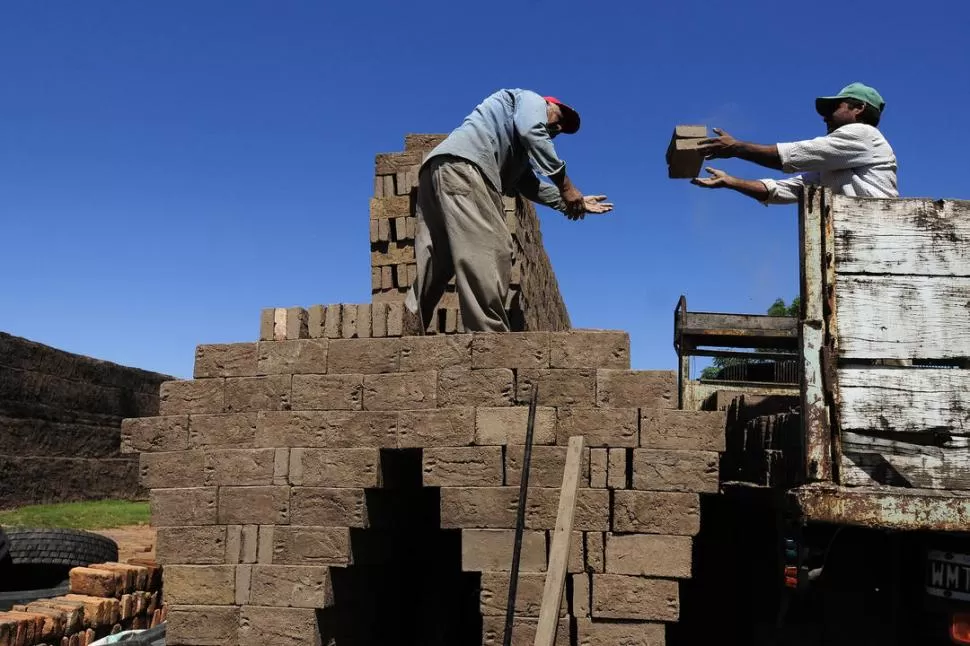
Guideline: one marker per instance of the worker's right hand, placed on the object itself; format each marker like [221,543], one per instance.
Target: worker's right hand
[575,204]
[718,179]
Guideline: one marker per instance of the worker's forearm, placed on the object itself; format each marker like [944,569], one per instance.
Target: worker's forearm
[762,154]
[561,180]
[753,188]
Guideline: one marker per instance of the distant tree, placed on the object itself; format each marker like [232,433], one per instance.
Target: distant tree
[778,308]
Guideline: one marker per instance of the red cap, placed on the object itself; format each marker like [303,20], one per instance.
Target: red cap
[570,118]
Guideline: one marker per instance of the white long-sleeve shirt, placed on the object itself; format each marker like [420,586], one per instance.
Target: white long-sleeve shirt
[854,160]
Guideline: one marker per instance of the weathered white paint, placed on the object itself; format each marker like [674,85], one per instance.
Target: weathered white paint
[905,399]
[868,460]
[903,317]
[911,236]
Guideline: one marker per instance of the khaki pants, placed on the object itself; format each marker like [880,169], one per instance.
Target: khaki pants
[461,232]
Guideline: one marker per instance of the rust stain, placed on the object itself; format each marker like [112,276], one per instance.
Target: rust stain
[883,508]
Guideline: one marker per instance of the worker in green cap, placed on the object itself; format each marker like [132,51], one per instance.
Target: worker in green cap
[853,159]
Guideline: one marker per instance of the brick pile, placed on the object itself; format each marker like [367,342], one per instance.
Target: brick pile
[260,468]
[104,599]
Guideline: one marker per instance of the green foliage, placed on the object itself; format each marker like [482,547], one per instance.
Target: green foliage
[778,308]
[99,514]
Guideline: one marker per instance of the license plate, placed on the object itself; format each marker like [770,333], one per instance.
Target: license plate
[948,575]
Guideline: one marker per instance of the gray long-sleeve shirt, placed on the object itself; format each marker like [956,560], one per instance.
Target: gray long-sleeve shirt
[506,137]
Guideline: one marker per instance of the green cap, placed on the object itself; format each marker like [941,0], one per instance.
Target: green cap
[856,91]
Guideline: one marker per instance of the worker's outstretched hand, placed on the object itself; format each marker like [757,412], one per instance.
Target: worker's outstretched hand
[597,204]
[718,179]
[720,147]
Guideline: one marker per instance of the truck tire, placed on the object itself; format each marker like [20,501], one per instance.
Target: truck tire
[44,557]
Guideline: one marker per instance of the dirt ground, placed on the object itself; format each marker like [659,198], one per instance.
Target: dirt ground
[133,541]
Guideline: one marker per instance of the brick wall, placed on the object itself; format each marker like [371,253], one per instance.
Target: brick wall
[60,415]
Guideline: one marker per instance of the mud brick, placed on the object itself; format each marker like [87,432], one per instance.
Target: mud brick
[316,318]
[171,469]
[559,387]
[396,253]
[581,595]
[375,272]
[168,433]
[328,507]
[600,426]
[390,207]
[332,320]
[375,235]
[378,315]
[239,466]
[348,321]
[96,583]
[267,323]
[202,625]
[331,429]
[400,273]
[462,387]
[409,231]
[226,360]
[193,396]
[281,466]
[577,553]
[422,141]
[174,507]
[616,477]
[191,545]
[387,277]
[592,509]
[300,356]
[590,349]
[259,505]
[264,544]
[598,467]
[656,512]
[367,356]
[523,631]
[400,233]
[605,633]
[364,321]
[304,586]
[402,183]
[237,430]
[663,470]
[508,425]
[649,555]
[547,466]
[491,550]
[437,352]
[595,551]
[488,507]
[511,350]
[248,542]
[264,625]
[432,428]
[684,160]
[335,467]
[682,429]
[395,319]
[494,594]
[636,389]
[296,323]
[244,578]
[388,181]
[451,320]
[327,392]
[411,390]
[98,611]
[616,596]
[294,545]
[209,585]
[463,466]
[154,572]
[248,394]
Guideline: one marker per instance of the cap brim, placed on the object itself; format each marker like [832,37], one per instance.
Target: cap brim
[823,104]
[570,119]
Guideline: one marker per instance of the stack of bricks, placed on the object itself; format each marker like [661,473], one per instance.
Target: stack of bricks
[260,469]
[104,599]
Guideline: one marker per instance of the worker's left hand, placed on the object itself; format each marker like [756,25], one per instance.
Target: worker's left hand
[720,147]
[597,204]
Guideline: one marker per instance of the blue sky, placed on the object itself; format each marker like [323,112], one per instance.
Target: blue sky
[167,169]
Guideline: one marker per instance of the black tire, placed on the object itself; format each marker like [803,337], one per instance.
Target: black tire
[42,557]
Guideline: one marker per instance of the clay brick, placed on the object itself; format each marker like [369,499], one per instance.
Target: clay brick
[304,586]
[598,467]
[616,477]
[209,585]
[390,207]
[576,387]
[325,507]
[316,319]
[244,579]
[267,322]
[239,466]
[335,467]
[296,323]
[547,466]
[154,572]
[508,425]
[191,545]
[494,594]
[295,545]
[72,614]
[171,469]
[636,389]
[440,427]
[96,583]
[463,466]
[327,392]
[175,507]
[378,317]
[590,349]
[332,320]
[604,633]
[54,622]
[682,429]
[437,352]
[367,356]
[395,319]
[301,356]
[595,551]
[330,429]
[98,611]
[21,628]
[662,470]
[523,631]
[226,360]
[169,433]
[649,555]
[462,387]
[511,350]
[250,394]
[348,321]
[261,626]
[237,430]
[409,390]
[491,549]
[656,512]
[201,625]
[599,426]
[631,597]
[260,505]
[364,321]
[193,396]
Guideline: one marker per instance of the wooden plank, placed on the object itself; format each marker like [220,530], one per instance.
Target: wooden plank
[559,551]
[905,399]
[870,461]
[911,236]
[903,317]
